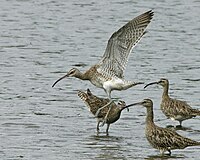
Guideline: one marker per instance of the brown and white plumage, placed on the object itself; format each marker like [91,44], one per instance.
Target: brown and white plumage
[108,73]
[163,139]
[94,103]
[121,43]
[173,108]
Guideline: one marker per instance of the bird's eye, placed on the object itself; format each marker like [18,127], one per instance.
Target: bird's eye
[73,71]
[120,103]
[144,102]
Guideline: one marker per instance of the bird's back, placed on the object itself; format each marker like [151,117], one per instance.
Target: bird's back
[94,103]
[164,139]
[178,110]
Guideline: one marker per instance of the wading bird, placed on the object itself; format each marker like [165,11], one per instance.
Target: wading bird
[108,72]
[174,108]
[163,139]
[94,103]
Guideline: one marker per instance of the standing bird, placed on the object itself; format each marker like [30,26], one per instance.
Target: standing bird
[94,103]
[173,108]
[108,72]
[163,139]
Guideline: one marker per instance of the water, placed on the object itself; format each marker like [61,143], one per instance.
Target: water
[41,40]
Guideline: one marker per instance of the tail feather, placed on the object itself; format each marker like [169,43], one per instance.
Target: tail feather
[82,95]
[186,142]
[195,143]
[196,112]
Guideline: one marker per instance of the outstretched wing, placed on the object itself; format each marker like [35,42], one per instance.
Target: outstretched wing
[119,45]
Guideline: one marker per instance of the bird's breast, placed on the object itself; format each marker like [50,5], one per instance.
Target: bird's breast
[98,80]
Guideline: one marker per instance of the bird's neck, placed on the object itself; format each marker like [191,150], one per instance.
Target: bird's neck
[82,76]
[150,116]
[165,92]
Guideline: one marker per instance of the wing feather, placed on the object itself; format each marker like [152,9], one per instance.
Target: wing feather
[120,44]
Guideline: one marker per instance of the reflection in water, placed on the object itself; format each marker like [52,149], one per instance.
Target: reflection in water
[167,157]
[106,147]
[106,138]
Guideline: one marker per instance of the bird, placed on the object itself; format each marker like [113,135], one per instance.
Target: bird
[94,103]
[108,73]
[174,109]
[163,139]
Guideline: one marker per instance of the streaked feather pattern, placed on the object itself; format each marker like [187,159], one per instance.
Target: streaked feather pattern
[110,68]
[94,103]
[179,110]
[119,46]
[163,139]
[173,108]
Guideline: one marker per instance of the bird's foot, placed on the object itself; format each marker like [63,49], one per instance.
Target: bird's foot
[179,127]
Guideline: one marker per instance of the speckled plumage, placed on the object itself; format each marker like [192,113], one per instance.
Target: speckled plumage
[173,108]
[163,139]
[94,103]
[108,73]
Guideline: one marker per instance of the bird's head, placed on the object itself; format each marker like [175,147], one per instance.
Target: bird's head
[74,72]
[163,82]
[121,104]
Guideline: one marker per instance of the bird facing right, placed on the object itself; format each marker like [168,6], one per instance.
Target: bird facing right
[94,103]
[163,139]
[173,108]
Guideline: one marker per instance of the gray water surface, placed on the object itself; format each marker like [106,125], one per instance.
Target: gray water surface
[41,40]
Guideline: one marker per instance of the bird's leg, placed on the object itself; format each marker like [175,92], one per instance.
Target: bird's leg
[169,152]
[110,106]
[97,113]
[162,152]
[98,126]
[180,125]
[105,118]
[108,125]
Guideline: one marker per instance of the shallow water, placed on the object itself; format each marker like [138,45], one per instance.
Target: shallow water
[41,41]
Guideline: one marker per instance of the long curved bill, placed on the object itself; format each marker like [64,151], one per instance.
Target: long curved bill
[67,75]
[134,104]
[150,84]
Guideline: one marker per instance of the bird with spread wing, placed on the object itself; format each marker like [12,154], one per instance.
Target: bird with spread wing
[108,73]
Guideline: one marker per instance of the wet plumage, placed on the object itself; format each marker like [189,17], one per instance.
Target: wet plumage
[94,103]
[173,108]
[163,139]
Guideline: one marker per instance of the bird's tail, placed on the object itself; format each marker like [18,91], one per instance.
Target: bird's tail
[196,112]
[82,95]
[195,143]
[189,142]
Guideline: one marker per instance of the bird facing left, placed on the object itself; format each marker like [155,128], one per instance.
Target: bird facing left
[108,73]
